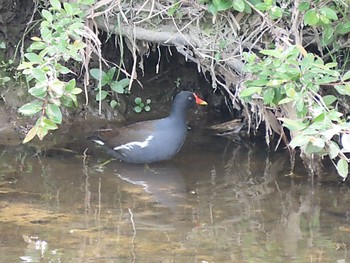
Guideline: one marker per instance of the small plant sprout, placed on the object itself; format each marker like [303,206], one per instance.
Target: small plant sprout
[140,105]
[177,82]
[107,79]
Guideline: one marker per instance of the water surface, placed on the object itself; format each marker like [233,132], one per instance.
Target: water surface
[218,200]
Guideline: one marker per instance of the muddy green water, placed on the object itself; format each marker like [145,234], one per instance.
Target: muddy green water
[217,201]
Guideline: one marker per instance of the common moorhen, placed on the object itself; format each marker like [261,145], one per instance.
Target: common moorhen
[150,141]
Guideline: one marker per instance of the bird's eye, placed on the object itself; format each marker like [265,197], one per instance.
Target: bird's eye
[190,98]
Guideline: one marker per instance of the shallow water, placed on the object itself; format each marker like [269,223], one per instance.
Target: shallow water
[218,200]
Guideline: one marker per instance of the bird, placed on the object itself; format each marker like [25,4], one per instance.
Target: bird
[153,140]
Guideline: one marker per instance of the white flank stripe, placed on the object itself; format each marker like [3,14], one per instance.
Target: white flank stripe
[130,145]
[98,142]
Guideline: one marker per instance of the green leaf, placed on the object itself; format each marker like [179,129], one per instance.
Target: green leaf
[217,56]
[48,124]
[110,73]
[346,76]
[299,141]
[87,2]
[329,133]
[96,73]
[343,89]
[285,100]
[258,83]
[76,26]
[173,9]
[58,88]
[55,4]
[325,20]
[54,113]
[113,103]
[119,86]
[137,109]
[31,108]
[333,149]
[138,100]
[70,85]
[38,45]
[222,5]
[42,131]
[311,17]
[319,118]
[74,99]
[325,80]
[101,95]
[268,95]
[329,99]
[76,91]
[334,115]
[329,13]
[300,105]
[62,46]
[31,134]
[250,91]
[69,9]
[47,15]
[318,142]
[310,131]
[343,28]
[34,58]
[312,149]
[276,12]
[46,35]
[291,93]
[61,69]
[331,65]
[303,6]
[293,125]
[38,91]
[124,82]
[327,35]
[115,86]
[276,82]
[36,38]
[238,5]
[212,9]
[272,52]
[69,100]
[249,57]
[78,45]
[39,74]
[4,80]
[342,168]
[55,100]
[263,6]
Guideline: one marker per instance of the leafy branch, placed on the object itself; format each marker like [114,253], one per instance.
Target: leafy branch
[289,82]
[60,40]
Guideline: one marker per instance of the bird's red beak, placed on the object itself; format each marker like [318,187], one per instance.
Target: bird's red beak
[199,101]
